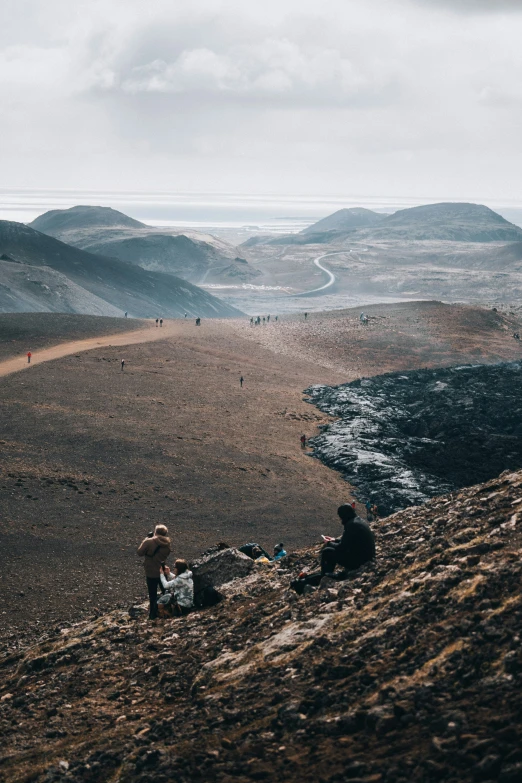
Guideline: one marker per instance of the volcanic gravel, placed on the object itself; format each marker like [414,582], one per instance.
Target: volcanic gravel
[409,671]
[22,332]
[404,437]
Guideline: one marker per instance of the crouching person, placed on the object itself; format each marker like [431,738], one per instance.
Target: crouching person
[353,549]
[179,590]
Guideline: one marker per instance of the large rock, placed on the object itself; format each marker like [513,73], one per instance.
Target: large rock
[221,567]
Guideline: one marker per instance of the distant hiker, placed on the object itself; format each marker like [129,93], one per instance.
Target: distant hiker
[29,354]
[303,441]
[161,321]
[276,317]
[185,315]
[157,321]
[353,549]
[122,364]
[125,314]
[306,316]
[279,551]
[154,549]
[264,319]
[198,321]
[178,598]
[241,380]
[375,511]
[352,504]
[363,318]
[252,321]
[369,514]
[268,319]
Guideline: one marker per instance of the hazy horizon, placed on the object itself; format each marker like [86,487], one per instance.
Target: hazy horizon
[274,212]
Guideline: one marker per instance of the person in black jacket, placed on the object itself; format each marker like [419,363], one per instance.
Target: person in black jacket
[355,547]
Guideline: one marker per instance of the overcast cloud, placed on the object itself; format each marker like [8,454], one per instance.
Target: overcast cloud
[400,97]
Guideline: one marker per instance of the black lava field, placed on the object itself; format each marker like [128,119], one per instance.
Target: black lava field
[404,437]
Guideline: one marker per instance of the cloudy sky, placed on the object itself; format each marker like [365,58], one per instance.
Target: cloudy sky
[408,98]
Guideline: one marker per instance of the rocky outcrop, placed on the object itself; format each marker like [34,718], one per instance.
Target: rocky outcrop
[220,567]
[411,671]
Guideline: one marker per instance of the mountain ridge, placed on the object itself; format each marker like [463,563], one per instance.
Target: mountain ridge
[190,255]
[124,287]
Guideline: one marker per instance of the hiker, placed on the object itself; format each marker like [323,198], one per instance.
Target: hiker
[303,441]
[353,549]
[122,364]
[279,551]
[241,381]
[306,316]
[185,315]
[253,550]
[179,586]
[154,549]
[268,319]
[157,321]
[161,321]
[276,317]
[264,319]
[125,314]
[375,511]
[29,354]
[252,321]
[368,506]
[353,504]
[198,321]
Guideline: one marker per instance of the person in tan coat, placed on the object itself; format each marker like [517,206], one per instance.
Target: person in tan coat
[154,549]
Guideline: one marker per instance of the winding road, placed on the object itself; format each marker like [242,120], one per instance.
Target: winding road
[331,276]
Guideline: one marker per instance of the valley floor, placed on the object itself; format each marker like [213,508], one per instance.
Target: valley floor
[95,457]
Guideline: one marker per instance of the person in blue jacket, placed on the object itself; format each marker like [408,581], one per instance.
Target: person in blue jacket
[279,552]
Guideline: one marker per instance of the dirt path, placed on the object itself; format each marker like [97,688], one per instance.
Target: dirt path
[144,335]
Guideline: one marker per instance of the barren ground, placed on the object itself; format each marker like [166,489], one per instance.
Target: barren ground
[94,457]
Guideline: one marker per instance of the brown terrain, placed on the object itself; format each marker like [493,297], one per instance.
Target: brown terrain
[378,680]
[95,457]
[411,671]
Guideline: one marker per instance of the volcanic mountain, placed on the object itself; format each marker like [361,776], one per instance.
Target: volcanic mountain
[44,274]
[192,256]
[448,221]
[345,219]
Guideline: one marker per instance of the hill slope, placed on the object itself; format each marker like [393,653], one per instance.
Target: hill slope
[409,671]
[121,285]
[345,219]
[56,221]
[451,221]
[190,255]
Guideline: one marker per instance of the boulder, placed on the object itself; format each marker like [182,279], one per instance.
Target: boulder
[221,567]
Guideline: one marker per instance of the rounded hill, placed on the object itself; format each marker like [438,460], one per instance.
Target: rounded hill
[58,220]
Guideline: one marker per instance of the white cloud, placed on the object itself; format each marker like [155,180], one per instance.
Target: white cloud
[385,94]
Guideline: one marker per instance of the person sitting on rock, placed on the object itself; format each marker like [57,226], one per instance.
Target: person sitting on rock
[353,549]
[279,552]
[180,586]
[154,549]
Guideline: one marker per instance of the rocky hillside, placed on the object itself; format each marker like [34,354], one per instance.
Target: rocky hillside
[190,255]
[403,437]
[409,671]
[42,273]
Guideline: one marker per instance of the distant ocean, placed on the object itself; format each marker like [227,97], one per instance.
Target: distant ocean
[263,212]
